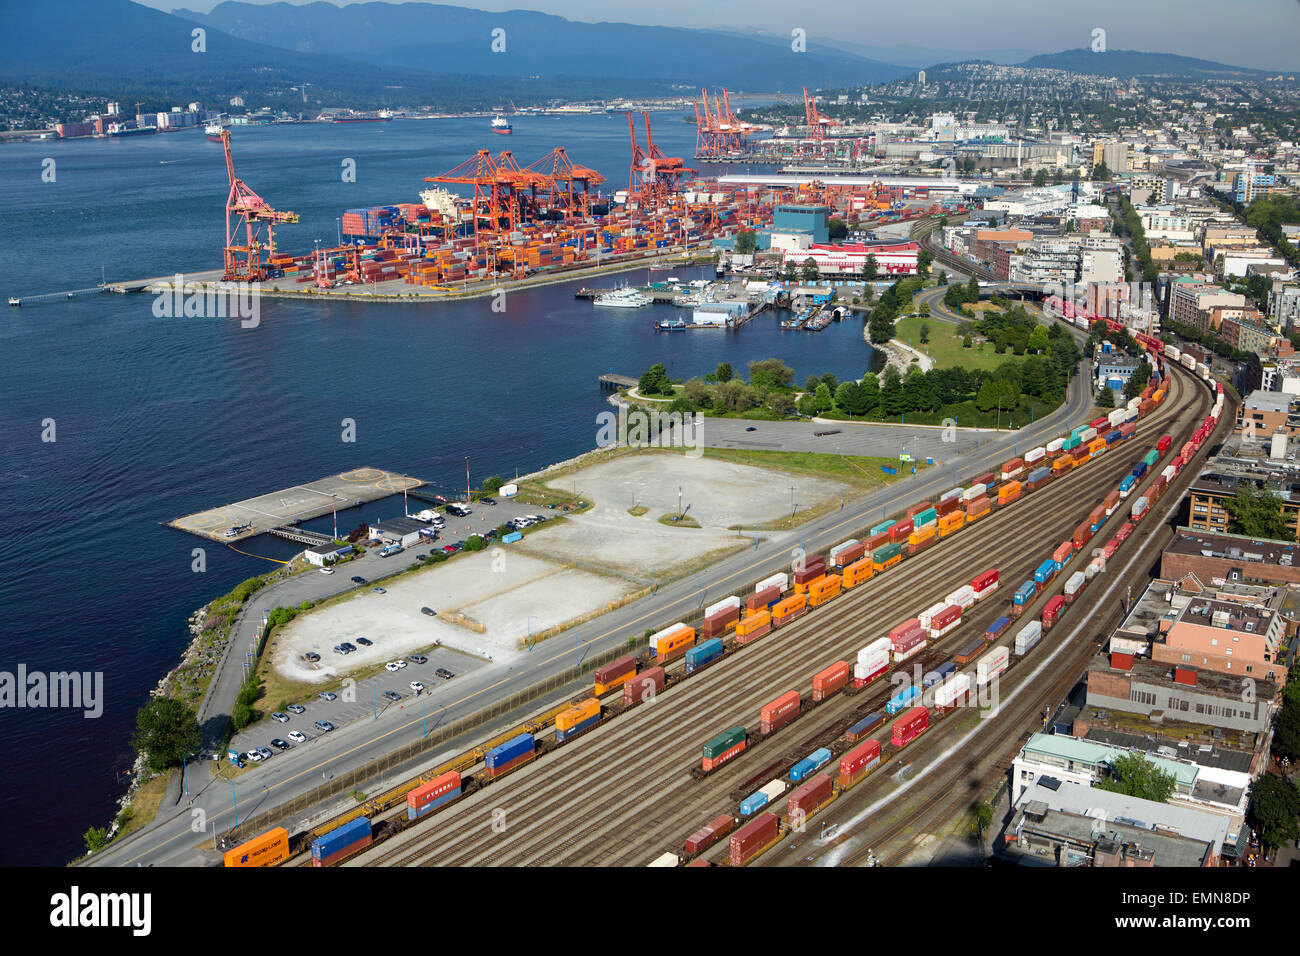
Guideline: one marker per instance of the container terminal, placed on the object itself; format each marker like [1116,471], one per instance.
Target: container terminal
[509,225]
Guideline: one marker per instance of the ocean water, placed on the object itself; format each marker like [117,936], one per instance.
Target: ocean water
[153,418]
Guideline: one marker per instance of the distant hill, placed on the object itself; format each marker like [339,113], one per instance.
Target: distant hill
[1124,64]
[454,39]
[129,51]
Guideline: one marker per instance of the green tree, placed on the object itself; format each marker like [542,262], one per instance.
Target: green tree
[923,260]
[768,374]
[780,403]
[96,839]
[831,382]
[1106,398]
[924,334]
[870,268]
[1256,513]
[891,392]
[972,290]
[967,342]
[1040,178]
[735,396]
[807,404]
[724,373]
[746,242]
[697,393]
[788,271]
[835,229]
[823,399]
[943,277]
[870,394]
[493,484]
[1274,807]
[809,270]
[655,381]
[997,393]
[811,382]
[1134,775]
[166,731]
[1101,172]
[1037,339]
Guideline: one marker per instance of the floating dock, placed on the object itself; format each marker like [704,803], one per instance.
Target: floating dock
[272,511]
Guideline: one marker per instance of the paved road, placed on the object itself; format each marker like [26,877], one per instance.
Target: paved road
[173,839]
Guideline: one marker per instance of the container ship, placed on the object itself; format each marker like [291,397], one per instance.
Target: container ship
[383,116]
[501,125]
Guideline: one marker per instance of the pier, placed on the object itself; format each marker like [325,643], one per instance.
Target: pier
[276,512]
[613,383]
[45,297]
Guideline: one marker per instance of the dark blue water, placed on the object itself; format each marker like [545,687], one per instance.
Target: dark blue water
[156,418]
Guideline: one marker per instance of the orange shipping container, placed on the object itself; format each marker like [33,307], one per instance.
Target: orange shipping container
[1096,447]
[857,572]
[270,848]
[1008,492]
[951,522]
[754,625]
[674,644]
[577,714]
[823,589]
[1062,465]
[788,609]
[832,679]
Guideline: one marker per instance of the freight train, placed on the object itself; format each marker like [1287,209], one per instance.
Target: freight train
[731,623]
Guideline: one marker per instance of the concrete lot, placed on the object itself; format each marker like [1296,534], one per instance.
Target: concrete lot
[717,494]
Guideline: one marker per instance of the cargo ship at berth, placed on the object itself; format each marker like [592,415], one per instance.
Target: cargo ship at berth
[119,129]
[383,116]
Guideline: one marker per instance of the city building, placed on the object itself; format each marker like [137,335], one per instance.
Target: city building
[892,259]
[1263,413]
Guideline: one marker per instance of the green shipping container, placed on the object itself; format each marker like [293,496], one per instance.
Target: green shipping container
[928,516]
[1077,431]
[883,526]
[1151,458]
[1071,443]
[885,552]
[724,742]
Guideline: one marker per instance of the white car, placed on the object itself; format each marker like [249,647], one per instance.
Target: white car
[326,570]
[255,756]
[297,736]
[417,686]
[394,665]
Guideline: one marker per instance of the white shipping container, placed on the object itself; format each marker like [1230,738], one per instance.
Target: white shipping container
[1133,403]
[1116,418]
[873,650]
[722,605]
[954,493]
[1095,567]
[963,597]
[1036,454]
[780,580]
[1074,582]
[1027,637]
[1169,473]
[666,859]
[864,669]
[1087,435]
[1188,361]
[931,611]
[991,664]
[1055,445]
[973,492]
[954,688]
[773,789]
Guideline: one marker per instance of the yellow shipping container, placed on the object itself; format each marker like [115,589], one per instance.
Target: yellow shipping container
[577,714]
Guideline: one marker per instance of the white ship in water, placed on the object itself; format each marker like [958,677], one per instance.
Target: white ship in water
[627,298]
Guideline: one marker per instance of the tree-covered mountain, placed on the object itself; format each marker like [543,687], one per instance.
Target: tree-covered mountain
[454,39]
[1124,64]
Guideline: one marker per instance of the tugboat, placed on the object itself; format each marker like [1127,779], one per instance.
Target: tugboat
[677,325]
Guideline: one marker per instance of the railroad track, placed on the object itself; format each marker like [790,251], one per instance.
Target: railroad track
[622,794]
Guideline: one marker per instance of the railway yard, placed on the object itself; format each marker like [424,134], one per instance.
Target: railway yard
[623,793]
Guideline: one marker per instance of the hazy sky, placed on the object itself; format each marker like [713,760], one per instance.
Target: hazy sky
[1261,33]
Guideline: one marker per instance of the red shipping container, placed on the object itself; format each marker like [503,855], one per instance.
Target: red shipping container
[988,479]
[1063,552]
[916,509]
[718,622]
[831,680]
[945,617]
[908,629]
[752,838]
[809,575]
[948,505]
[1082,534]
[910,726]
[808,798]
[1052,611]
[876,540]
[901,530]
[978,506]
[984,581]
[857,759]
[763,599]
[612,675]
[711,833]
[850,554]
[643,686]
[779,712]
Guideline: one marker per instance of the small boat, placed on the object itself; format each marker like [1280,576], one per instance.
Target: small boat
[626,298]
[677,325]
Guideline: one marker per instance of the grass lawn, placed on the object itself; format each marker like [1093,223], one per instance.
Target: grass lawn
[857,470]
[945,345]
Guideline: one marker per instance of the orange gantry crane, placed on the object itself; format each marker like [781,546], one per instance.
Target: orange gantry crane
[817,123]
[568,188]
[248,212]
[653,177]
[719,132]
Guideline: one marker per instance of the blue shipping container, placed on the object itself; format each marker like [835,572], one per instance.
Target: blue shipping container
[1113,436]
[753,803]
[1139,469]
[702,654]
[1038,474]
[1025,593]
[341,838]
[592,721]
[1127,484]
[515,747]
[902,699]
[810,764]
[938,674]
[998,626]
[865,724]
[1044,572]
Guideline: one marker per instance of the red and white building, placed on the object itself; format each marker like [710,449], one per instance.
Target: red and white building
[892,259]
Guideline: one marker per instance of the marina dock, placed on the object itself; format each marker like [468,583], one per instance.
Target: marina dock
[275,511]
